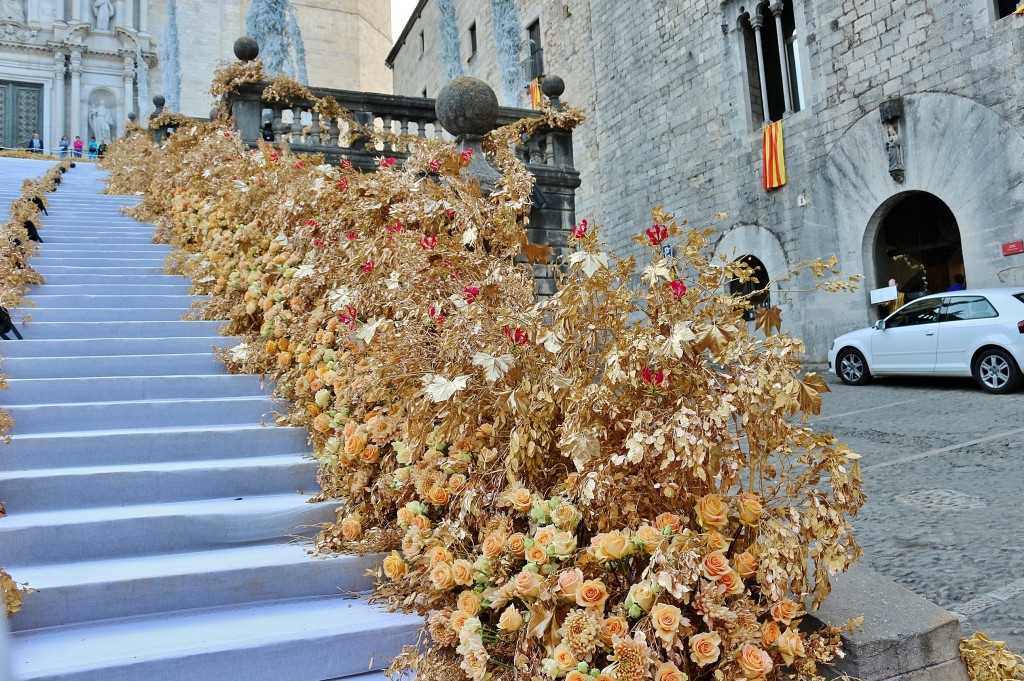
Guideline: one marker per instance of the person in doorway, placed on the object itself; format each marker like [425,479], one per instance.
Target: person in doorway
[959,283]
[94,148]
[103,148]
[886,309]
[64,146]
[77,147]
[35,144]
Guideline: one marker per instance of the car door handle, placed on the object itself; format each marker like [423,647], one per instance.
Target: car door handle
[929,333]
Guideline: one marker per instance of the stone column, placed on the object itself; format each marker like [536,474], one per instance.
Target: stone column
[76,95]
[143,16]
[757,21]
[76,10]
[129,86]
[58,124]
[776,8]
[128,18]
[119,14]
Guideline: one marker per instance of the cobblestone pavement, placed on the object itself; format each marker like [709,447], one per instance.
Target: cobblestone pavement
[943,468]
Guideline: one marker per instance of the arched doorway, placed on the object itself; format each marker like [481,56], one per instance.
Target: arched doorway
[918,245]
[756,285]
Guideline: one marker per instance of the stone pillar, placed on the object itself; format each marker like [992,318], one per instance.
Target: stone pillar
[777,8]
[76,10]
[468,109]
[129,85]
[57,123]
[757,21]
[119,14]
[128,18]
[143,16]
[76,95]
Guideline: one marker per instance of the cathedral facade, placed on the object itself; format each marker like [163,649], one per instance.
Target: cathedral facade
[897,126]
[79,67]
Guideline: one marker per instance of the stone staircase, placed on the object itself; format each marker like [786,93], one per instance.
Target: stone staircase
[159,522]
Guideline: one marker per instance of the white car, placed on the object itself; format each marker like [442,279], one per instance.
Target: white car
[977,333]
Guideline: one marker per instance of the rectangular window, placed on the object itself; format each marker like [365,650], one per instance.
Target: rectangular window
[423,43]
[424,93]
[472,39]
[1005,8]
[774,72]
[536,58]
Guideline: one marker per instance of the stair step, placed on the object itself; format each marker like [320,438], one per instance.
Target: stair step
[302,639]
[49,330]
[26,491]
[123,249]
[142,445]
[90,416]
[71,593]
[149,529]
[113,365]
[84,347]
[73,280]
[78,270]
[127,388]
[88,286]
[105,260]
[112,301]
[106,314]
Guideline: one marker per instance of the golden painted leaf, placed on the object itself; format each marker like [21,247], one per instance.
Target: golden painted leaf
[538,253]
[768,319]
[440,388]
[807,392]
[589,262]
[494,367]
[715,337]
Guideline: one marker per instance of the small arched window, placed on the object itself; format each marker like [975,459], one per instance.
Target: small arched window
[756,287]
[1005,8]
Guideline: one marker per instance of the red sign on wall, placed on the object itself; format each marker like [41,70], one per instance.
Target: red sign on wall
[1013,248]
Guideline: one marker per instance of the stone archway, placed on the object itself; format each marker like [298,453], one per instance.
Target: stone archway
[760,248]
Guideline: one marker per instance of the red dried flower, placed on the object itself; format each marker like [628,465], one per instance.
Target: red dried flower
[657,234]
[658,379]
[351,236]
[388,162]
[471,293]
[428,243]
[345,164]
[436,315]
[343,184]
[516,335]
[348,317]
[467,154]
[678,288]
[318,243]
[299,164]
[369,265]
[449,213]
[311,222]
[580,230]
[436,165]
[394,229]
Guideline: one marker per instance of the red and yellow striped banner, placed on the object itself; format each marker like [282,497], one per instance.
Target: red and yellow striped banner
[536,95]
[1020,10]
[774,169]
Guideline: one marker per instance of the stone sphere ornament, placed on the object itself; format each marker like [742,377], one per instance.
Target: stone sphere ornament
[159,101]
[132,116]
[467,106]
[552,86]
[246,48]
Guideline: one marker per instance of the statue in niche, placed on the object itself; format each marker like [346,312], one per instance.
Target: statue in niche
[102,123]
[894,150]
[12,10]
[104,10]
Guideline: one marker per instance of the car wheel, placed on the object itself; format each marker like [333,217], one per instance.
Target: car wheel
[996,371]
[852,367]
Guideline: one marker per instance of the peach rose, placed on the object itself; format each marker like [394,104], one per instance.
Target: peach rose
[669,672]
[510,620]
[732,583]
[537,554]
[745,564]
[394,566]
[350,427]
[458,620]
[784,611]
[522,500]
[642,595]
[791,645]
[352,528]
[437,554]
[591,594]
[612,627]
[528,584]
[704,648]
[610,546]
[441,576]
[666,620]
[457,483]
[750,508]
[669,520]
[420,522]
[438,495]
[715,541]
[568,583]
[544,535]
[494,544]
[462,572]
[564,657]
[517,545]
[563,544]
[649,537]
[370,454]
[711,512]
[770,633]
[606,676]
[355,443]
[715,565]
[754,662]
[577,675]
[565,517]
[469,601]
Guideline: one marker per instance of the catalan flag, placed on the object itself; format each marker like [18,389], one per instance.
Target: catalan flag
[536,94]
[1020,10]
[774,156]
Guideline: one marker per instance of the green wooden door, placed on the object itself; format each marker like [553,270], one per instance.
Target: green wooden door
[21,113]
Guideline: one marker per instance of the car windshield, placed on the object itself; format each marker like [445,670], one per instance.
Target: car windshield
[918,312]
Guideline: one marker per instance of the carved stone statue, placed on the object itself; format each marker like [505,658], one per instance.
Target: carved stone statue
[102,123]
[894,149]
[12,10]
[104,10]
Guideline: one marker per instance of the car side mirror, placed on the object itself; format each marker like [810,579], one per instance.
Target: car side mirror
[880,325]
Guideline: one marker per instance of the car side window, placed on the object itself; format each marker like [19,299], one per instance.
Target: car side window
[967,307]
[917,312]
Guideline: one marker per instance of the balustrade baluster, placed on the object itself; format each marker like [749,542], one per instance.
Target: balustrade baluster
[314,130]
[333,132]
[549,149]
[278,124]
[296,136]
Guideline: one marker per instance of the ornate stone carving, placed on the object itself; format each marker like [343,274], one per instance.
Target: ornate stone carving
[12,30]
[104,11]
[891,112]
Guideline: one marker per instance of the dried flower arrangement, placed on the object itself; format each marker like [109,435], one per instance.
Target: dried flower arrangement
[613,483]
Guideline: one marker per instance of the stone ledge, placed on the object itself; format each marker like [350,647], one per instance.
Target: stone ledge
[904,637]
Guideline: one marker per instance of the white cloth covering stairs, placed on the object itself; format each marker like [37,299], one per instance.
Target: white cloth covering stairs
[152,512]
